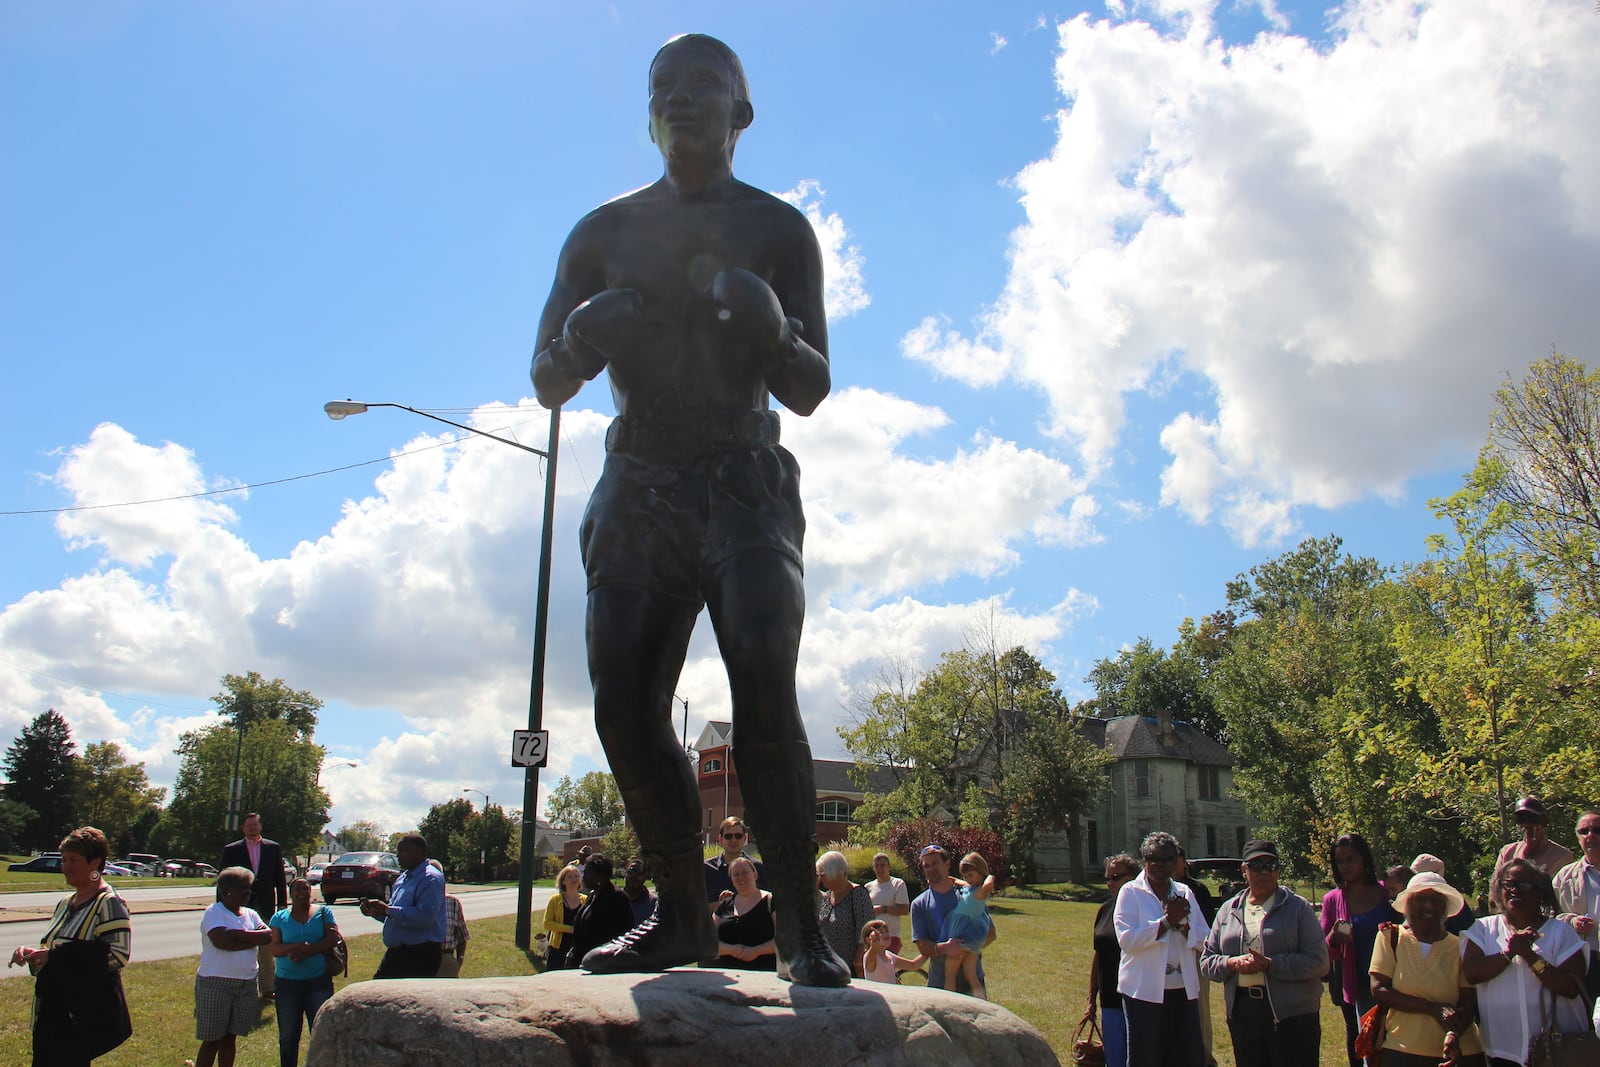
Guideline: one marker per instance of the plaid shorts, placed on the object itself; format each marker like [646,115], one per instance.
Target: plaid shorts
[223,1006]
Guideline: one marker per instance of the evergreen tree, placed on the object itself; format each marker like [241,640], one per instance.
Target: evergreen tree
[41,773]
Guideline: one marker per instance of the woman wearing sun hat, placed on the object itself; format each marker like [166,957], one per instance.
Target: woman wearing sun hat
[1416,975]
[1456,924]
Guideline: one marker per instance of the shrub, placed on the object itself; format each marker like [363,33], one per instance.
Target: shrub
[907,840]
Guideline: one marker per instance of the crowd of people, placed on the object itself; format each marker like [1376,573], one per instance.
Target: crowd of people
[1398,950]
[1418,977]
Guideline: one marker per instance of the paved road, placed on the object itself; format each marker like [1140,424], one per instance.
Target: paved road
[164,934]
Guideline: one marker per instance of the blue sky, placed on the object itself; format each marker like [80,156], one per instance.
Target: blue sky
[1124,298]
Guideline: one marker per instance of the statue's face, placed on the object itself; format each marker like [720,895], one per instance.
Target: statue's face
[692,105]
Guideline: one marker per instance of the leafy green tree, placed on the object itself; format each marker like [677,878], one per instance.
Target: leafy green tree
[115,795]
[41,774]
[445,826]
[247,699]
[620,845]
[591,805]
[14,819]
[1481,651]
[1306,683]
[278,769]
[949,739]
[363,835]
[1056,776]
[484,842]
[1145,680]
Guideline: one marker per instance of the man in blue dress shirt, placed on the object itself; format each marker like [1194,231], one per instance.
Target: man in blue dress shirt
[414,919]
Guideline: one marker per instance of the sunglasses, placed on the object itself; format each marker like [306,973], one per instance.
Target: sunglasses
[734,836]
[1262,866]
[1507,885]
[1155,861]
[931,849]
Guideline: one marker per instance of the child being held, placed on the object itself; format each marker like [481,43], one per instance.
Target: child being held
[878,963]
[967,926]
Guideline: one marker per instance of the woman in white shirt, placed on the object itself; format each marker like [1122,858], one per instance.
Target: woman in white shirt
[225,985]
[1520,957]
[1158,929]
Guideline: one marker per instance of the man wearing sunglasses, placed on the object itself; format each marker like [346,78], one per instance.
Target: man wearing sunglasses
[1268,952]
[733,836]
[1578,888]
[1533,819]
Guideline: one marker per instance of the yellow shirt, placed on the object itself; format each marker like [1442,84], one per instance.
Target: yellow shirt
[1436,978]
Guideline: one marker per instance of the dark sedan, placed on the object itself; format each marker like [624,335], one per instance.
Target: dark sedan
[360,874]
[49,863]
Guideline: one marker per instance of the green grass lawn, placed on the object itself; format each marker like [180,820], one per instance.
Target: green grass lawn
[1038,968]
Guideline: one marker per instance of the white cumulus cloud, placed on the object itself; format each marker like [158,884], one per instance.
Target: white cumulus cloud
[1341,250]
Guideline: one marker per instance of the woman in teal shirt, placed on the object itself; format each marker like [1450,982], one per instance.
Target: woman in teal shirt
[299,938]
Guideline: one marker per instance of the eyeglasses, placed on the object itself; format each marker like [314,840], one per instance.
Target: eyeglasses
[734,835]
[1507,885]
[1262,866]
[1154,861]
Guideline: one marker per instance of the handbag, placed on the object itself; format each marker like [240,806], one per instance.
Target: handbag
[1553,1047]
[1369,1039]
[336,960]
[1088,1049]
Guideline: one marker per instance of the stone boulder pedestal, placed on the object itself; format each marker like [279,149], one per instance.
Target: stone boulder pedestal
[688,1017]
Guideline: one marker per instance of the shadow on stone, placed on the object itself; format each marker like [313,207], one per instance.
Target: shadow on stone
[681,1017]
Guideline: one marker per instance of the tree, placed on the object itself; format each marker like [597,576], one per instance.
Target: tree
[484,842]
[949,739]
[1146,680]
[41,773]
[364,835]
[14,819]
[248,699]
[116,795]
[278,769]
[1055,778]
[1542,462]
[1306,681]
[590,806]
[1482,652]
[444,827]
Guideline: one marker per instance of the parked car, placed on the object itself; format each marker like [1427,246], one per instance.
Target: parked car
[1222,872]
[314,872]
[360,874]
[121,870]
[48,863]
[149,860]
[182,868]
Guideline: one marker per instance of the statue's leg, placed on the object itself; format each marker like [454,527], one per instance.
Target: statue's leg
[757,607]
[637,641]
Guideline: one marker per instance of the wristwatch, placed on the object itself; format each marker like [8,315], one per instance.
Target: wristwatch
[1539,964]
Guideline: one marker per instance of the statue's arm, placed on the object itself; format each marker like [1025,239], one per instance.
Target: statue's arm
[557,374]
[799,376]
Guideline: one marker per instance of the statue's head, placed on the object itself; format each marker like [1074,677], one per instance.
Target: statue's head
[698,94]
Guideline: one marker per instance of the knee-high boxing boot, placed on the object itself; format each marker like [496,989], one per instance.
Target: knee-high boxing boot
[779,787]
[680,930]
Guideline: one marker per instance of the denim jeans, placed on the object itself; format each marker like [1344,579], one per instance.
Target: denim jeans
[297,999]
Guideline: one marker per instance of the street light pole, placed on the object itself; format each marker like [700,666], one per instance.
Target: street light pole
[339,409]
